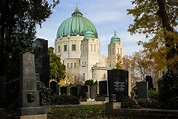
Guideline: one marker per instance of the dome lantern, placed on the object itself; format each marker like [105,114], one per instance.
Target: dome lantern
[115,38]
[77,12]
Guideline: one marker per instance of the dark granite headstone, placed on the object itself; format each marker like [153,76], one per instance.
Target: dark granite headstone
[40,50]
[29,98]
[118,84]
[142,90]
[63,90]
[74,91]
[103,88]
[82,92]
[159,84]
[79,90]
[54,87]
[150,82]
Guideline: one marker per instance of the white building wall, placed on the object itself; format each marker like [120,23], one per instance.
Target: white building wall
[90,54]
[72,68]
[113,50]
[99,73]
[86,55]
[68,41]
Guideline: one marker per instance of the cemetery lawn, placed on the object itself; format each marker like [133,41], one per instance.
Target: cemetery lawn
[78,112]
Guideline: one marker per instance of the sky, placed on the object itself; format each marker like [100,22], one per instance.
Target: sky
[107,16]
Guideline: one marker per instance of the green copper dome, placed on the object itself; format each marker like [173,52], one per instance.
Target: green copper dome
[115,38]
[76,24]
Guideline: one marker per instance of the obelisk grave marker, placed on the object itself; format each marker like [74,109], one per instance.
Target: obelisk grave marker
[29,95]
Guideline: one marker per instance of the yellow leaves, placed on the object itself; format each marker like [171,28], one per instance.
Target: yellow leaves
[123,62]
[119,61]
[157,51]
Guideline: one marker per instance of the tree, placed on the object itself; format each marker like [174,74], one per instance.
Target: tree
[158,20]
[142,65]
[18,20]
[119,64]
[57,69]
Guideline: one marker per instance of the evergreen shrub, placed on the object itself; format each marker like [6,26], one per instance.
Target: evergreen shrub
[64,100]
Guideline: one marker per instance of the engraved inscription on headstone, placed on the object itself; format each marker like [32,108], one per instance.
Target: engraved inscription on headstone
[119,86]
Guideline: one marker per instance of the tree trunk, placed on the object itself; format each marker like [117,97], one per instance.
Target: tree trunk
[169,40]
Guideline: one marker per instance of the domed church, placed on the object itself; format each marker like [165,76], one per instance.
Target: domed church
[78,45]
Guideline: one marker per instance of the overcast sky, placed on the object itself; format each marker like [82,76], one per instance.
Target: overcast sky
[107,16]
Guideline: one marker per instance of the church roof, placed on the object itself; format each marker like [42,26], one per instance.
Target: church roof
[115,38]
[76,24]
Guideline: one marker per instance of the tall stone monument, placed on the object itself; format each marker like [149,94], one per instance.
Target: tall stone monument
[40,50]
[29,95]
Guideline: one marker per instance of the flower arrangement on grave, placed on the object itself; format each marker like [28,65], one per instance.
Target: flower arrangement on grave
[130,101]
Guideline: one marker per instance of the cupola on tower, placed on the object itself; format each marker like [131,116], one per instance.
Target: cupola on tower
[115,48]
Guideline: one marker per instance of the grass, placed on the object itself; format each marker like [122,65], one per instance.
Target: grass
[81,112]
[78,112]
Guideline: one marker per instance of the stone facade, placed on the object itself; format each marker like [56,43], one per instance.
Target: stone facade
[80,52]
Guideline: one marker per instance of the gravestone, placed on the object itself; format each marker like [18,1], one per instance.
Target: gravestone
[29,95]
[74,91]
[82,92]
[103,88]
[142,90]
[54,87]
[79,90]
[150,82]
[40,50]
[63,90]
[93,90]
[89,91]
[118,84]
[159,84]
